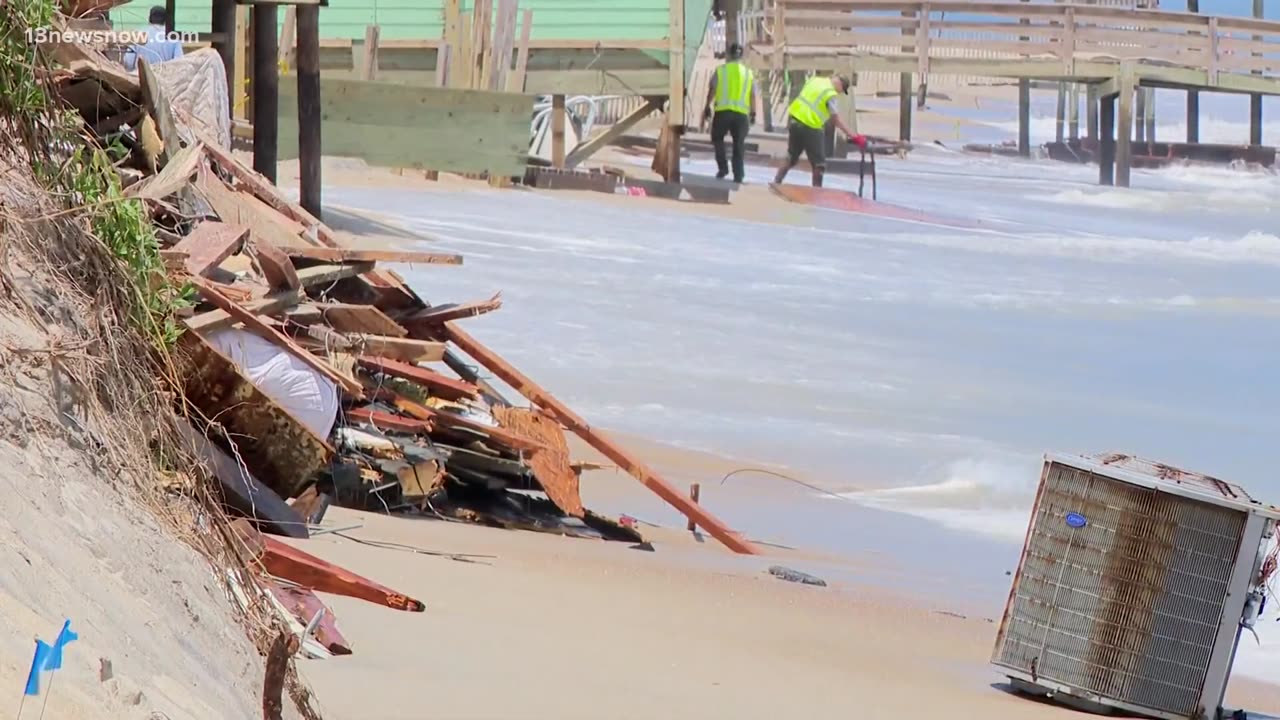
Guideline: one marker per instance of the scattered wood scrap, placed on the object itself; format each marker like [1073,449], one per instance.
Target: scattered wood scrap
[440,314]
[355,255]
[209,244]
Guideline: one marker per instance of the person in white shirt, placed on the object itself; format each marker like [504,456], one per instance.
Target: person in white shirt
[158,47]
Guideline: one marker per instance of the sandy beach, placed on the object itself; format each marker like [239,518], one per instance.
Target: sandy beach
[555,627]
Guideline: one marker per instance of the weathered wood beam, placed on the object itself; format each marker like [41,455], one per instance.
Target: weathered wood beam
[285,561]
[266,90]
[585,150]
[648,477]
[435,383]
[360,255]
[209,244]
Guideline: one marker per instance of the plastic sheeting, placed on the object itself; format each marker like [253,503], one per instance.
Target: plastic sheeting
[309,396]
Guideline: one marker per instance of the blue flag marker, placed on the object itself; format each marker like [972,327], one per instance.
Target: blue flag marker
[37,664]
[65,637]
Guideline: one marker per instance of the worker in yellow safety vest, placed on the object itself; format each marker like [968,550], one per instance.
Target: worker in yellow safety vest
[731,107]
[809,114]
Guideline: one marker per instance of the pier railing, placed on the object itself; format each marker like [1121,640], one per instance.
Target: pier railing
[1011,39]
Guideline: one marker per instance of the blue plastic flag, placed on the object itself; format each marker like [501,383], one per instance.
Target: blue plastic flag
[38,663]
[65,637]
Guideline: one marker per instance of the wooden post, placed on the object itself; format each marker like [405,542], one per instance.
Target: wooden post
[694,491]
[266,90]
[1255,101]
[676,90]
[1091,112]
[1193,96]
[1073,112]
[170,10]
[904,90]
[1060,122]
[241,103]
[731,10]
[557,131]
[224,22]
[1024,117]
[1140,114]
[369,69]
[309,146]
[1107,141]
[1151,114]
[1124,125]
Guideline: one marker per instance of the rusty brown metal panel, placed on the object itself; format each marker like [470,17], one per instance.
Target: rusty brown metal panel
[276,447]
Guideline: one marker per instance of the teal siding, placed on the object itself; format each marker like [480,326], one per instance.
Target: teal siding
[423,19]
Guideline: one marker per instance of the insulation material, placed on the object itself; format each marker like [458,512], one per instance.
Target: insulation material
[196,86]
[550,465]
[306,394]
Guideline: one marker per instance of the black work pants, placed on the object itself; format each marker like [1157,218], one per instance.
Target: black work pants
[728,122]
[807,141]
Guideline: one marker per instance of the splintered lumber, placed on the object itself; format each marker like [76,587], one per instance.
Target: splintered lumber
[174,177]
[438,385]
[311,505]
[208,322]
[209,244]
[453,420]
[625,460]
[348,318]
[387,421]
[438,314]
[396,348]
[551,463]
[269,225]
[305,605]
[326,274]
[255,324]
[285,561]
[355,255]
[281,451]
[277,268]
[240,490]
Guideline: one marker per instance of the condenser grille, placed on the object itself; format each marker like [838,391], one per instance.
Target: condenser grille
[1127,603]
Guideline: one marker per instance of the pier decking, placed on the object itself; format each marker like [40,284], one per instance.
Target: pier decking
[1114,51]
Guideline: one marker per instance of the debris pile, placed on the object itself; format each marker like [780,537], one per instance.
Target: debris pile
[304,367]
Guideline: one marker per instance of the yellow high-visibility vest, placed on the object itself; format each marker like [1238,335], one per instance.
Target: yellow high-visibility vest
[733,88]
[810,106]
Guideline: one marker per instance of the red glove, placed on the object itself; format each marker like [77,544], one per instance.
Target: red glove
[859,140]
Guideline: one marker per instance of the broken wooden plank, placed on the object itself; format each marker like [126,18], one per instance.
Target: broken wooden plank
[277,268]
[239,489]
[175,176]
[238,208]
[327,274]
[387,421]
[305,605]
[353,254]
[212,320]
[311,504]
[255,324]
[280,450]
[625,460]
[288,562]
[438,314]
[452,420]
[209,244]
[435,383]
[367,319]
[398,348]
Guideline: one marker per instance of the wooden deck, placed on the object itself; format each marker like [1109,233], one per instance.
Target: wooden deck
[1113,50]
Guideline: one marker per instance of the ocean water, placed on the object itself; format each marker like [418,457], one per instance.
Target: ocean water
[917,370]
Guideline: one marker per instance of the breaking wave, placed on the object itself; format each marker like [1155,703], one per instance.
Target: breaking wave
[983,496]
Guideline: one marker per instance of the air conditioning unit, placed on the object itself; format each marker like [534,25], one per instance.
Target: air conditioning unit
[1135,583]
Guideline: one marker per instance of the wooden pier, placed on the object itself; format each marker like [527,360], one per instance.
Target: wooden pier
[1115,53]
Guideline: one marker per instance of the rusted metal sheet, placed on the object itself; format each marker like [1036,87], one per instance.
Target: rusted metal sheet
[550,464]
[288,562]
[276,447]
[830,199]
[305,605]
[625,460]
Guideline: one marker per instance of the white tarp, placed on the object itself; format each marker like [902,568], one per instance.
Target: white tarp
[311,397]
